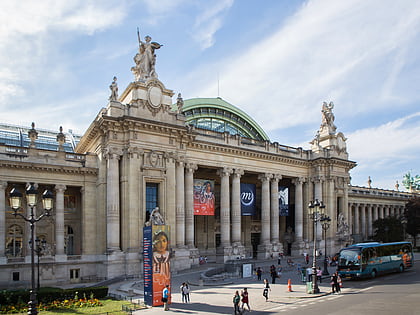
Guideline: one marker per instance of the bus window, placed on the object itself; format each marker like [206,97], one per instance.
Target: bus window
[349,258]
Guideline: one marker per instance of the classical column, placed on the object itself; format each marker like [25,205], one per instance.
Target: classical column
[381,211]
[180,202]
[387,211]
[265,208]
[363,220]
[59,219]
[224,207]
[356,219]
[3,186]
[189,204]
[236,206]
[113,202]
[274,204]
[318,187]
[298,182]
[369,224]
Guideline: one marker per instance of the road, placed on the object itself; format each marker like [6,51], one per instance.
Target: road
[396,293]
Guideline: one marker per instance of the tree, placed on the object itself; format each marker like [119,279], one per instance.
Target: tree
[412,216]
[388,229]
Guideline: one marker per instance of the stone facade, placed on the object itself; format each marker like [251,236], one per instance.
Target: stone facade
[139,140]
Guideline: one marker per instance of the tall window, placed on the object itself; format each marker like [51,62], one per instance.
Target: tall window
[14,241]
[69,240]
[152,198]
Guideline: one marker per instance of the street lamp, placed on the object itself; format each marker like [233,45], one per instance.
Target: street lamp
[15,199]
[40,247]
[325,226]
[315,211]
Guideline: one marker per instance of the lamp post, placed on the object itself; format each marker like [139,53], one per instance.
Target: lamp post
[316,210]
[325,226]
[40,246]
[15,199]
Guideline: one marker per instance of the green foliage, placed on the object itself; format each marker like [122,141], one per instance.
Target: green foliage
[412,215]
[411,182]
[48,295]
[388,229]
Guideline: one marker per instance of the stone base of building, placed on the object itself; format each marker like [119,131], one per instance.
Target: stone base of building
[180,259]
[265,251]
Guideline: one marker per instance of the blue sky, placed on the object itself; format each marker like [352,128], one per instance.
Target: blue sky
[277,60]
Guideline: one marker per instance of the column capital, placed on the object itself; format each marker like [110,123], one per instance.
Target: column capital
[238,172]
[60,188]
[265,177]
[112,153]
[3,184]
[317,179]
[298,180]
[225,171]
[276,177]
[191,167]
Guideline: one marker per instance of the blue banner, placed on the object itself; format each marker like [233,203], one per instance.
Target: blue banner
[284,201]
[147,265]
[248,193]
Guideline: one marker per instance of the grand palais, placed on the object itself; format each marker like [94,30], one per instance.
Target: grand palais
[150,148]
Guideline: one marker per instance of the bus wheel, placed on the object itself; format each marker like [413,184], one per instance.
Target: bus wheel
[373,274]
[401,269]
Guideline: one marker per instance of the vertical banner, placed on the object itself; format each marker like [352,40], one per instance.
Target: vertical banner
[284,201]
[156,266]
[147,265]
[204,197]
[248,193]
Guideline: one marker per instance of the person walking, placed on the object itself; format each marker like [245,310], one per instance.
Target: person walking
[165,298]
[273,274]
[319,274]
[335,287]
[259,273]
[236,300]
[185,292]
[266,289]
[245,299]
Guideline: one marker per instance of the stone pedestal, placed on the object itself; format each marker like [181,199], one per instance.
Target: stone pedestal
[115,264]
[180,259]
[224,254]
[265,251]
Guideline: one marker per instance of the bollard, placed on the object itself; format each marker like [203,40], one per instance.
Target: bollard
[289,285]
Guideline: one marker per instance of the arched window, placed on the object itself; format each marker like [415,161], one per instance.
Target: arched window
[14,241]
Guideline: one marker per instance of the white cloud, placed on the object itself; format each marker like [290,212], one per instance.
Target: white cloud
[209,22]
[325,51]
[392,148]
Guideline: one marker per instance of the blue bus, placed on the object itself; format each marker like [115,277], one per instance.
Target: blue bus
[371,259]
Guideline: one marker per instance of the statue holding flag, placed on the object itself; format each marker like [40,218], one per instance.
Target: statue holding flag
[145,59]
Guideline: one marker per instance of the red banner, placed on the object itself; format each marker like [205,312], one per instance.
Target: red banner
[203,197]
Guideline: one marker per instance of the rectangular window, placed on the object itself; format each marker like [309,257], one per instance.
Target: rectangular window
[15,276]
[152,198]
[74,273]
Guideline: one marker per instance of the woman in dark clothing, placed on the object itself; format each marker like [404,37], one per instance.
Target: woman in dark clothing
[266,289]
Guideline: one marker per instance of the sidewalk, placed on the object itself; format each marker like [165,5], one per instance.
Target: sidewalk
[216,296]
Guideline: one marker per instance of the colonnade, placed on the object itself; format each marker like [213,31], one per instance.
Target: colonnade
[59,220]
[363,215]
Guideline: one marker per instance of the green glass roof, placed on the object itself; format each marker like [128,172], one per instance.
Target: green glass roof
[218,115]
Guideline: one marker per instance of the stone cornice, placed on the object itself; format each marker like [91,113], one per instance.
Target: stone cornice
[57,169]
[265,156]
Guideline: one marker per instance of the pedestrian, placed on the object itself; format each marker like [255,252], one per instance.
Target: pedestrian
[259,273]
[279,259]
[165,297]
[245,299]
[236,300]
[335,287]
[279,270]
[273,274]
[307,259]
[309,274]
[185,292]
[319,274]
[266,289]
